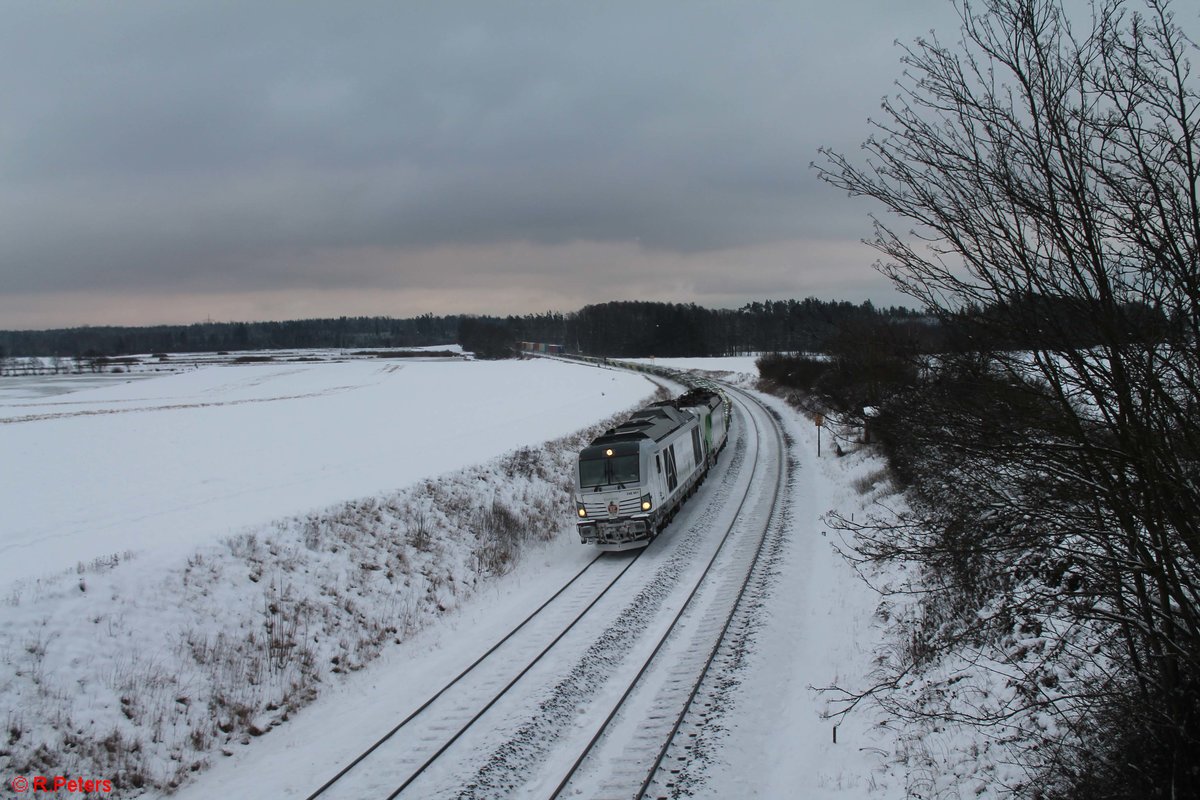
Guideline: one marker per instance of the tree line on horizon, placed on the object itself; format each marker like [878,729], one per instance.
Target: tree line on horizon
[619,328]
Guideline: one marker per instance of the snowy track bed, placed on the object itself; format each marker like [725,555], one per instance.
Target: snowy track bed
[417,741]
[650,737]
[634,631]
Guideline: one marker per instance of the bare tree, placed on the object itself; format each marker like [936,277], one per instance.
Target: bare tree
[1046,167]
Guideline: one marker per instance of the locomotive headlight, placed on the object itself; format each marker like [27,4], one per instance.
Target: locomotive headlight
[582,511]
[646,504]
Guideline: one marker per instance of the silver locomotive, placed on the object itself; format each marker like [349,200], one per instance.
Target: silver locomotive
[631,481]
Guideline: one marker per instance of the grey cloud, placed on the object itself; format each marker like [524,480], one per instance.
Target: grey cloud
[216,146]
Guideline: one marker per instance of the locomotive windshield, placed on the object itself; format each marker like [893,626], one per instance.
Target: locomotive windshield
[608,470]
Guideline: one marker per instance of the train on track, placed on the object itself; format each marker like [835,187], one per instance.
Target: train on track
[631,481]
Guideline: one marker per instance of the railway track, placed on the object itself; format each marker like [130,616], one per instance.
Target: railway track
[662,613]
[641,748]
[415,739]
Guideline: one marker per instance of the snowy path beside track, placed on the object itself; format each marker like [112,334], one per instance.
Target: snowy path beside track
[816,627]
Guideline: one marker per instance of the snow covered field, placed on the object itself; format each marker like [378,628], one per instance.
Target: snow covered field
[735,369]
[158,465]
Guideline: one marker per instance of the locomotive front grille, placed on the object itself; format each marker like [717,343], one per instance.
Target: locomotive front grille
[599,509]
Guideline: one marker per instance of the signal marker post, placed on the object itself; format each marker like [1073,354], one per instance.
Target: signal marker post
[820,419]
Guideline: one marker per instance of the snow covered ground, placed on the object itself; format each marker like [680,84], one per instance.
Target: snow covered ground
[187,558]
[214,479]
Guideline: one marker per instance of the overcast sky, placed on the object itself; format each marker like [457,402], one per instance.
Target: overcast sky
[172,162]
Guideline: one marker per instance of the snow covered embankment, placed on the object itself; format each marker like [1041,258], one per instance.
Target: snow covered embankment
[143,677]
[910,701]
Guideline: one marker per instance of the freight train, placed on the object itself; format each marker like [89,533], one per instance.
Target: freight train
[632,480]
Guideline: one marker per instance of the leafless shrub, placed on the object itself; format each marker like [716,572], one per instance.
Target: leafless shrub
[522,462]
[1050,171]
[419,530]
[868,482]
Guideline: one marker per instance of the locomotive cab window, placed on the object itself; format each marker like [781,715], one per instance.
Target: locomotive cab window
[624,469]
[609,470]
[591,472]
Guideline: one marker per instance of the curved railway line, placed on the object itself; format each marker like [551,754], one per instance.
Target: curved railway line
[634,639]
[683,678]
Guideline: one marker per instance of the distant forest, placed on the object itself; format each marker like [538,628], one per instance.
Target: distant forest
[627,329]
